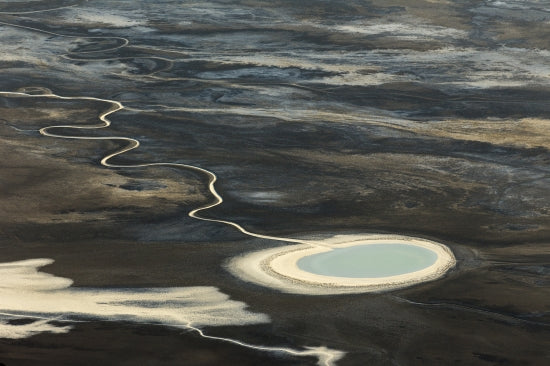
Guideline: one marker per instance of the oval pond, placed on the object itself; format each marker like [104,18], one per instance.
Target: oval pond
[369,261]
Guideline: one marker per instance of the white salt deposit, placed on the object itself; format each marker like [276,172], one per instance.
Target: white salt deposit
[278,268]
[24,291]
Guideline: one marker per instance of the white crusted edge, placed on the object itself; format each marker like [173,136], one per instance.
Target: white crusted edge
[277,267]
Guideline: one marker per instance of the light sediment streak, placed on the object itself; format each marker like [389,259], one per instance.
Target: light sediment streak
[325,356]
[124,41]
[36,11]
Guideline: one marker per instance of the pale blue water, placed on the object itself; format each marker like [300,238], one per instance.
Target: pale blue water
[373,260]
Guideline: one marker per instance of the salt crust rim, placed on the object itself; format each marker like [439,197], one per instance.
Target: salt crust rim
[277,267]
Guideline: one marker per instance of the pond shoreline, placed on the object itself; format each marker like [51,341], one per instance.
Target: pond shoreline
[277,267]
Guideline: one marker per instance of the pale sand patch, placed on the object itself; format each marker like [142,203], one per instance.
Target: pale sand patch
[277,267]
[27,292]
[522,133]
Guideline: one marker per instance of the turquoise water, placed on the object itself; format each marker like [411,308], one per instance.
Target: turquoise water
[373,260]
